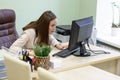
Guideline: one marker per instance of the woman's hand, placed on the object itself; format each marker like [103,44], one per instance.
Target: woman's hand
[61,46]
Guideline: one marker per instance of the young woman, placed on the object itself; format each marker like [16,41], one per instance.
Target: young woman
[37,32]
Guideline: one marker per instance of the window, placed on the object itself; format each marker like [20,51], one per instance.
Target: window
[104,17]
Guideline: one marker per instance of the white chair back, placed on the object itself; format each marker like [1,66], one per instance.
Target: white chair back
[17,69]
[45,75]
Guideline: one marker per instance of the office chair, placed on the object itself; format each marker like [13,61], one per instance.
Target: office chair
[8,33]
[46,75]
[17,69]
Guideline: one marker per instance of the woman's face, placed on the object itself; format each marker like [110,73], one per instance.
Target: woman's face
[52,26]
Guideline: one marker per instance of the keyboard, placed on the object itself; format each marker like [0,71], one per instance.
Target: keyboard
[64,53]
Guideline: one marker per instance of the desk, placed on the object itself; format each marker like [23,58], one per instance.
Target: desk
[87,73]
[107,62]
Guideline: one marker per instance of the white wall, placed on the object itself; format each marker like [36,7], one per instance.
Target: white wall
[28,10]
[88,8]
[66,10]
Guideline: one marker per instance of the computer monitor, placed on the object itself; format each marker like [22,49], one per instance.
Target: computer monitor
[81,31]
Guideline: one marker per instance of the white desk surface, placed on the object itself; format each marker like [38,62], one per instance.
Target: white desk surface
[86,73]
[72,62]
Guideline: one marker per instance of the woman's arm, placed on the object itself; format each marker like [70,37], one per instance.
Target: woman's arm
[19,43]
[26,41]
[57,44]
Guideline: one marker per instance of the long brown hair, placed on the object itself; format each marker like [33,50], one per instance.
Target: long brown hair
[41,26]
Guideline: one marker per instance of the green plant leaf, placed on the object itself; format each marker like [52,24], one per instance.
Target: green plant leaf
[42,50]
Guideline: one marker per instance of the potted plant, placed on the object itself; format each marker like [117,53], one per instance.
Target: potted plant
[115,26]
[42,56]
[113,23]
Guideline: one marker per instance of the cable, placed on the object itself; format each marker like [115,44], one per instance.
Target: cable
[96,51]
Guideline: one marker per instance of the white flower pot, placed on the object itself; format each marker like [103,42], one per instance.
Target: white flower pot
[115,32]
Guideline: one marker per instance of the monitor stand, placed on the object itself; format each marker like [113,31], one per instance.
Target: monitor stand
[82,51]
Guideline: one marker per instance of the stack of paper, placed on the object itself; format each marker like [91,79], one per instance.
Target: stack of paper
[3,75]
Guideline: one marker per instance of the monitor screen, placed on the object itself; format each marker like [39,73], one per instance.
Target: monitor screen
[81,31]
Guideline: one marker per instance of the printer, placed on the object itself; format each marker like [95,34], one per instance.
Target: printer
[62,33]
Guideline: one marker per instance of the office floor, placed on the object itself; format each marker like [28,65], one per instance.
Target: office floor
[103,45]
